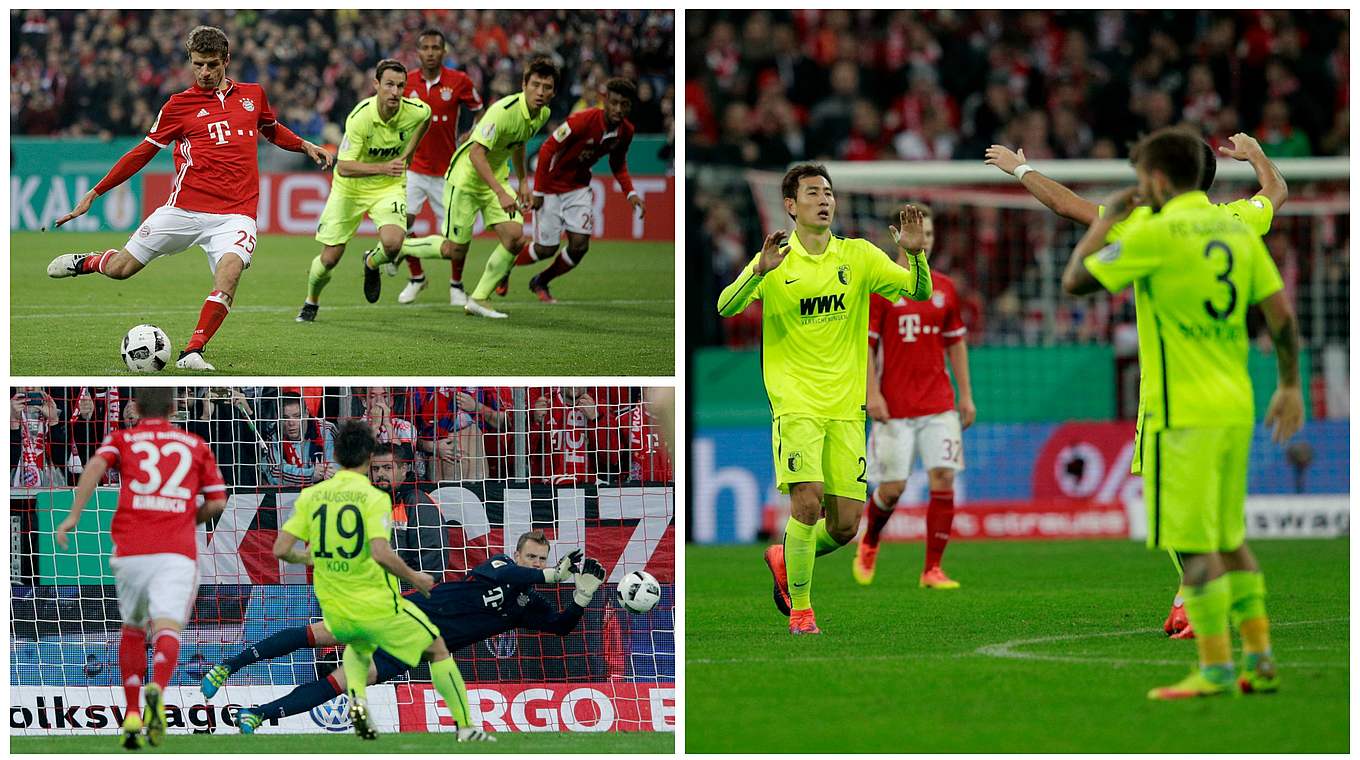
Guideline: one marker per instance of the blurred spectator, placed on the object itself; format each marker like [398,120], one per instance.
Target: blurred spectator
[451,424]
[562,444]
[93,414]
[35,433]
[387,424]
[226,419]
[300,449]
[417,524]
[1279,138]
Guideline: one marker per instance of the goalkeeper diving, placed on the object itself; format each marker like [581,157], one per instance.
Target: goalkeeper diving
[495,597]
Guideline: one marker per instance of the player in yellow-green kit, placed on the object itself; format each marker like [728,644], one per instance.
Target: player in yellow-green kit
[476,183]
[346,524]
[381,134]
[1200,267]
[1257,211]
[815,288]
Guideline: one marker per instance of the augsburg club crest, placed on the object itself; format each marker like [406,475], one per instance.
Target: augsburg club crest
[843,274]
[795,461]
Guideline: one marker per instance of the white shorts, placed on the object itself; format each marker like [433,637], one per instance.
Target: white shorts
[153,586]
[424,187]
[893,445]
[170,230]
[573,211]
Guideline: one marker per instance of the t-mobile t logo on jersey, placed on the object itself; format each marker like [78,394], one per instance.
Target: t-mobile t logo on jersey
[909,325]
[219,130]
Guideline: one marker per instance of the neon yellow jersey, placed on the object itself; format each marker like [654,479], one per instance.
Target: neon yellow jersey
[815,342]
[1197,267]
[506,125]
[337,518]
[1257,212]
[371,140]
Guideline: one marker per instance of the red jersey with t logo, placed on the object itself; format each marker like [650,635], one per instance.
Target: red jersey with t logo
[912,336]
[565,455]
[452,90]
[565,160]
[217,135]
[164,470]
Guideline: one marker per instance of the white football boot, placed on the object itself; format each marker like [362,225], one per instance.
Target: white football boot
[194,360]
[474,308]
[413,287]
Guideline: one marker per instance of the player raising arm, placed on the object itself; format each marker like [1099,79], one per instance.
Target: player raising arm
[213,200]
[911,403]
[476,184]
[155,556]
[563,197]
[1201,267]
[1257,211]
[496,596]
[381,133]
[815,288]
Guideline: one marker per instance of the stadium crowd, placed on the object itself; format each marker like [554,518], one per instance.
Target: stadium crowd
[285,436]
[105,72]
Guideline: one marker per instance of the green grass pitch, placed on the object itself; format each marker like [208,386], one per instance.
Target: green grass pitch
[616,314]
[346,744]
[1048,647]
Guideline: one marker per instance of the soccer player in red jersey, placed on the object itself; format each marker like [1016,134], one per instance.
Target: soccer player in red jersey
[445,90]
[155,567]
[212,204]
[911,403]
[563,197]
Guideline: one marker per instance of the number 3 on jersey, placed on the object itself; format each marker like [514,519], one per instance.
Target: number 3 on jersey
[1222,277]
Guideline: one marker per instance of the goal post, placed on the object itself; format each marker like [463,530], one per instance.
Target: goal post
[586,465]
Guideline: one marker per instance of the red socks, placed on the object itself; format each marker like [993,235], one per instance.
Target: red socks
[417,271]
[527,255]
[939,523]
[215,309]
[876,517]
[132,666]
[96,262]
[166,655]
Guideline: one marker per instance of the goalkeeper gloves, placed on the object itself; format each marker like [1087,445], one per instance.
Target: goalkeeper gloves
[565,567]
[588,582]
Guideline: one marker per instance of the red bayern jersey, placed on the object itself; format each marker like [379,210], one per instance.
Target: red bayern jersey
[565,444]
[217,135]
[452,90]
[650,459]
[164,470]
[912,336]
[565,160]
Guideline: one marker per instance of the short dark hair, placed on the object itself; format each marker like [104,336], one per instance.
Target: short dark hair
[207,40]
[543,66]
[537,536]
[153,401]
[432,32]
[625,87]
[389,64]
[1206,178]
[290,398]
[799,172]
[1174,151]
[354,444]
[385,449]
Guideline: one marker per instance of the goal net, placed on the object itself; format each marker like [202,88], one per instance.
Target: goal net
[1055,379]
[586,465]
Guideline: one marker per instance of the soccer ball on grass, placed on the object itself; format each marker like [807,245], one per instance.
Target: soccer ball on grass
[146,349]
[639,592]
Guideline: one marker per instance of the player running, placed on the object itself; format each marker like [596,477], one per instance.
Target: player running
[815,318]
[495,597]
[445,91]
[155,552]
[346,524]
[1201,267]
[475,183]
[212,203]
[1257,212]
[911,403]
[563,198]
[381,133]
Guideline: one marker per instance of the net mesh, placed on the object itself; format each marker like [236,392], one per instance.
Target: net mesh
[585,464]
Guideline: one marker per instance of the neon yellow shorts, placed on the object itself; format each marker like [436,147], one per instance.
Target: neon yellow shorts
[1195,488]
[405,635]
[819,450]
[462,204]
[345,209]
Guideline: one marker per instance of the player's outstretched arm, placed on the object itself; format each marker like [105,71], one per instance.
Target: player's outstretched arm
[131,163]
[89,479]
[588,581]
[1056,196]
[385,556]
[746,288]
[914,280]
[286,548]
[1285,412]
[1246,148]
[1077,280]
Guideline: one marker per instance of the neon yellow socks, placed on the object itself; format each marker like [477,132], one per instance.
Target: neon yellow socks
[318,277]
[1207,607]
[822,538]
[1248,610]
[356,660]
[498,266]
[800,548]
[449,683]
